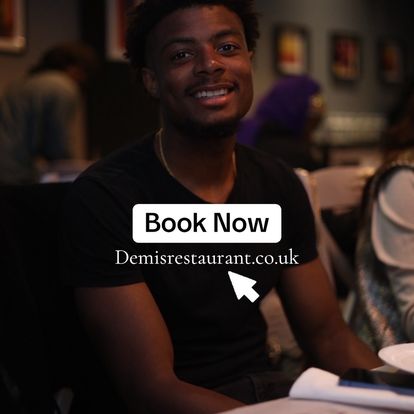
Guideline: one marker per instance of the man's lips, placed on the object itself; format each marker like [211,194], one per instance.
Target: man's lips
[211,94]
[211,91]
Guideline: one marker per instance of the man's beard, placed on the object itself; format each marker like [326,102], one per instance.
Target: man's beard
[202,131]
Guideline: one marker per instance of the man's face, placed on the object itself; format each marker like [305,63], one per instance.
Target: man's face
[200,68]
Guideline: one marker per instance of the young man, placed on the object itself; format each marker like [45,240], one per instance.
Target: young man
[175,336]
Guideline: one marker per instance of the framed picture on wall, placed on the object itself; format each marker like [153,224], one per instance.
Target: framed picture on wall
[391,61]
[291,49]
[12,26]
[116,24]
[346,57]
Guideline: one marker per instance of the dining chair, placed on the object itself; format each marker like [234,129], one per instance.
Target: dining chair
[339,192]
[331,256]
[341,187]
[43,349]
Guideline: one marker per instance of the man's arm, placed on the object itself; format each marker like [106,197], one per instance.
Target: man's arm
[127,327]
[316,320]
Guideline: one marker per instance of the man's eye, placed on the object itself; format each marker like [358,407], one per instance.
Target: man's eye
[228,48]
[180,55]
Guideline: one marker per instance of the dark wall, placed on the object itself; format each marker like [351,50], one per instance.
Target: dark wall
[119,110]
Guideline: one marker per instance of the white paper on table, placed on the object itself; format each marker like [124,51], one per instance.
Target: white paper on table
[292,406]
[316,384]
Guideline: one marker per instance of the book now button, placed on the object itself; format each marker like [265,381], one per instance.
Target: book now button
[207,223]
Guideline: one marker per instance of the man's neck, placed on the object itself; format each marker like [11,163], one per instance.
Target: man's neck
[206,167]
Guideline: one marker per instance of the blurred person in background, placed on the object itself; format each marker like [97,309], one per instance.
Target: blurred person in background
[385,259]
[41,115]
[285,121]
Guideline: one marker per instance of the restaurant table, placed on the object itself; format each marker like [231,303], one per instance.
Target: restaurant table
[295,406]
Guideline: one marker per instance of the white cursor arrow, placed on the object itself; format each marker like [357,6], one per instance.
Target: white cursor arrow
[243,286]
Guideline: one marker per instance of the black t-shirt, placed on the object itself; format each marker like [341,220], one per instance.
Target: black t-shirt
[215,336]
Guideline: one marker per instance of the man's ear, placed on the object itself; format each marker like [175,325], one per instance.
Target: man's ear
[149,79]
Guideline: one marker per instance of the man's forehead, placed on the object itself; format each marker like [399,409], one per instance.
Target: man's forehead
[217,20]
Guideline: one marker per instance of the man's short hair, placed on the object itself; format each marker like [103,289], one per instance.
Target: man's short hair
[148,13]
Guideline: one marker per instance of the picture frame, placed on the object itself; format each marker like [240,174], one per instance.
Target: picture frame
[291,49]
[116,24]
[346,57]
[391,61]
[12,26]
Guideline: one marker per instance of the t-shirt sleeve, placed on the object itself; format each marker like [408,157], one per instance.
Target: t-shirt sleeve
[95,229]
[298,224]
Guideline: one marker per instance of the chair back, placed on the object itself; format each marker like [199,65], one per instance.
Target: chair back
[43,345]
[333,259]
[341,187]
[33,307]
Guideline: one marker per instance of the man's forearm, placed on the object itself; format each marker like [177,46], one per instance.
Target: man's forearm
[342,350]
[178,397]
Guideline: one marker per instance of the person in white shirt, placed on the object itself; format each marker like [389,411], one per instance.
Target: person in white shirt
[385,259]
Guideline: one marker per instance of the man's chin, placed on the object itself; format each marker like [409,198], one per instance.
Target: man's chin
[217,130]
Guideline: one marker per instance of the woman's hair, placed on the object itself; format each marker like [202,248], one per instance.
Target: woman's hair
[144,17]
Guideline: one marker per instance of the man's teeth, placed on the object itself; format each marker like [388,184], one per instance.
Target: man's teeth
[211,94]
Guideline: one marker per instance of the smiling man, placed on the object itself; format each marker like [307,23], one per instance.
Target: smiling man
[175,336]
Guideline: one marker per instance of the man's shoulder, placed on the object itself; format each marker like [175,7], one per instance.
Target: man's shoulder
[264,163]
[122,172]
[130,160]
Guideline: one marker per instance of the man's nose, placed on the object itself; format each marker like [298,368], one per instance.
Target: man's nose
[208,62]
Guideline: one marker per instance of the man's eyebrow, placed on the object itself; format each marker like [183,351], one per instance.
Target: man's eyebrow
[177,40]
[228,32]
[191,40]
